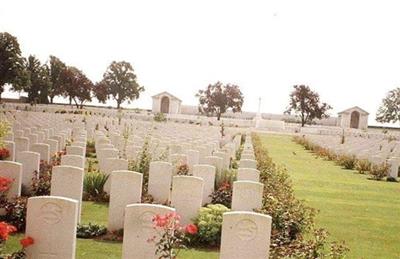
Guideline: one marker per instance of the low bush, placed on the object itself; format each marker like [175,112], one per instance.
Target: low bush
[346,161]
[182,169]
[222,195]
[16,212]
[160,117]
[209,223]
[294,234]
[90,148]
[226,176]
[378,172]
[93,186]
[363,166]
[90,230]
[41,181]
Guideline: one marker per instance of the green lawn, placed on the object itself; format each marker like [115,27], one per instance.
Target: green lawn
[88,248]
[364,213]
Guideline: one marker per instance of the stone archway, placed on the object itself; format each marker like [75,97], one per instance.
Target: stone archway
[165,104]
[355,120]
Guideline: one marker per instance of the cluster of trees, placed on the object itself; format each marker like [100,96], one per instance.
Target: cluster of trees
[43,82]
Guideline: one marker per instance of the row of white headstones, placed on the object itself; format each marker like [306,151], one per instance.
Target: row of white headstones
[375,148]
[52,220]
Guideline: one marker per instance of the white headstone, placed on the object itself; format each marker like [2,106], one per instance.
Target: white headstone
[138,229]
[67,181]
[160,176]
[247,195]
[51,222]
[245,235]
[126,188]
[30,163]
[207,173]
[187,196]
[13,171]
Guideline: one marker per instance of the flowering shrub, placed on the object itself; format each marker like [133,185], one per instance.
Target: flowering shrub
[4,153]
[209,222]
[25,242]
[16,212]
[222,195]
[41,181]
[293,234]
[171,235]
[5,185]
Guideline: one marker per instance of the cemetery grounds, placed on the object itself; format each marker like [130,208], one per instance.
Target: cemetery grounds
[364,213]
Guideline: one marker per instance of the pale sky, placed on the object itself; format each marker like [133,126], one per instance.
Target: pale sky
[348,51]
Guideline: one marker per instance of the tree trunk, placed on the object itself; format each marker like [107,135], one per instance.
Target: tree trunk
[218,116]
[118,104]
[51,99]
[70,100]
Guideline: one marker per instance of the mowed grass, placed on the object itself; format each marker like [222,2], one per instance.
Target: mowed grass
[364,213]
[96,249]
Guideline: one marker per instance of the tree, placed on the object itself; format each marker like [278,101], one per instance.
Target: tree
[10,61]
[76,86]
[37,82]
[119,82]
[306,103]
[56,67]
[219,98]
[389,111]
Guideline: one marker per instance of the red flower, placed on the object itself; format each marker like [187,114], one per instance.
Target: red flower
[191,229]
[5,230]
[27,241]
[5,184]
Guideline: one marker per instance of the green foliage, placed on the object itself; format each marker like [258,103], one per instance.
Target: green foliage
[389,111]
[93,186]
[160,117]
[11,62]
[90,148]
[363,166]
[56,67]
[378,172]
[306,104]
[4,130]
[90,230]
[292,220]
[209,223]
[119,82]
[142,165]
[218,98]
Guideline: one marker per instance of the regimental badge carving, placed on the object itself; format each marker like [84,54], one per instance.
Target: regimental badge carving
[51,213]
[246,229]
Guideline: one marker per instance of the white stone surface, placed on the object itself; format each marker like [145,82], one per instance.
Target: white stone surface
[245,235]
[51,222]
[126,188]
